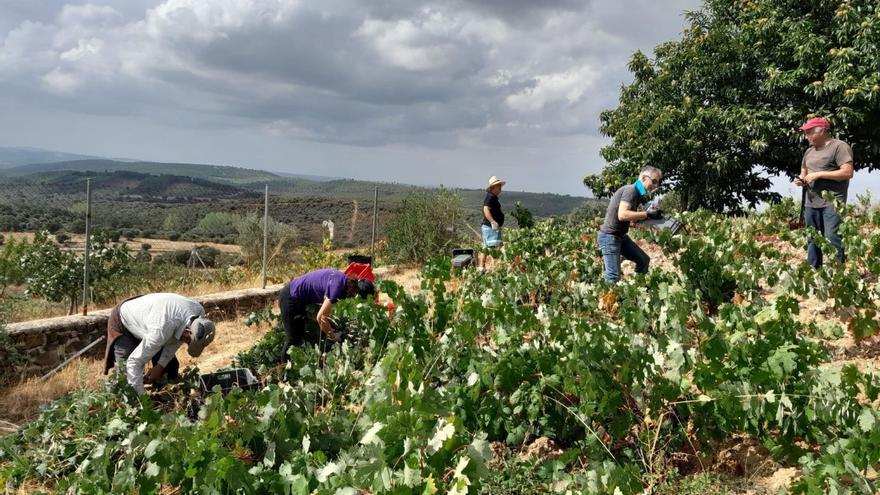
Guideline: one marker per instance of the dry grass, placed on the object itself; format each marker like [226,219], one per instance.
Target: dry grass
[406,276]
[21,402]
[31,486]
[77,243]
[24,308]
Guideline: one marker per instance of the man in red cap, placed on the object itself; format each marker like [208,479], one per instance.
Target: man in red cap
[827,166]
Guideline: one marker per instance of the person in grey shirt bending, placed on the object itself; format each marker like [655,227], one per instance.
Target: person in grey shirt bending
[622,210]
[827,166]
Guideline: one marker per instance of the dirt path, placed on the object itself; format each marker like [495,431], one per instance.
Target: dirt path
[77,243]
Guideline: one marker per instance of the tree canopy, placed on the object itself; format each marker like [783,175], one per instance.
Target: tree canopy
[719,109]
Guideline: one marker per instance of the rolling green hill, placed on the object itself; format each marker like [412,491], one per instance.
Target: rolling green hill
[347,190]
[169,199]
[117,184]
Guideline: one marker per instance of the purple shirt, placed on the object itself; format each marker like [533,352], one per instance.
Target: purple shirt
[312,287]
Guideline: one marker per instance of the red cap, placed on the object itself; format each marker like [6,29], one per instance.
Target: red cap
[816,122]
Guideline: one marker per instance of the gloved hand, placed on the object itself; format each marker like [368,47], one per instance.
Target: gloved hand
[495,226]
[654,212]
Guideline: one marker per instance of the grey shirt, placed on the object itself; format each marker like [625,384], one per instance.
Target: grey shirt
[614,225]
[828,159]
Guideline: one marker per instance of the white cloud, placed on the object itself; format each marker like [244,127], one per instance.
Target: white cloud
[427,74]
[60,81]
[567,87]
[404,44]
[89,15]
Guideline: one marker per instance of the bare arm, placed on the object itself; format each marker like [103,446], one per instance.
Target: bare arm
[845,172]
[624,214]
[488,214]
[324,318]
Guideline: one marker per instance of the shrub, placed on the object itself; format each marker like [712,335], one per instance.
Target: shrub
[216,225]
[56,275]
[523,216]
[208,255]
[250,237]
[425,226]
[11,271]
[590,210]
[176,257]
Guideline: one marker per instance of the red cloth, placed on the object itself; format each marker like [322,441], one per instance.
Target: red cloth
[360,271]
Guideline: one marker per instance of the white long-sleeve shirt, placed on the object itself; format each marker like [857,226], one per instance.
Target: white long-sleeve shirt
[159,321]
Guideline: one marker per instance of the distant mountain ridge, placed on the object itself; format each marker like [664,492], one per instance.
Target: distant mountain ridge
[22,155]
[221,173]
[120,184]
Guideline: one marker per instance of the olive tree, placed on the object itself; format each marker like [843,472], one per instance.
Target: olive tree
[282,238]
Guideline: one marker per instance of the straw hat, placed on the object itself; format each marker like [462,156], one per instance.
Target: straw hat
[495,181]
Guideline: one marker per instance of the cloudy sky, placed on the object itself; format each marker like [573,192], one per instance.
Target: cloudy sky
[416,91]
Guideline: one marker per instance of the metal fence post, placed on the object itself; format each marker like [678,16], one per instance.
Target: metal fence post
[265,232]
[375,214]
[88,247]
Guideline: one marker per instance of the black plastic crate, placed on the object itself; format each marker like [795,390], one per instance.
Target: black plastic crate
[462,258]
[226,379]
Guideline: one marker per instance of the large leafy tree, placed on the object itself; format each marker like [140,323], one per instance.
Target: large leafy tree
[719,109]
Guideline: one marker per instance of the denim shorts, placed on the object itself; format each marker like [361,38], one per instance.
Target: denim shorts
[491,238]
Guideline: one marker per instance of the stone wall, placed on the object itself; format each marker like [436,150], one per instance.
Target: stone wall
[45,344]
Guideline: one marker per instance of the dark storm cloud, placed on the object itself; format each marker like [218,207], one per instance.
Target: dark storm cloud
[364,73]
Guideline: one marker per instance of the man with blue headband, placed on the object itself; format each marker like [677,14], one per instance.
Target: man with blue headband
[622,211]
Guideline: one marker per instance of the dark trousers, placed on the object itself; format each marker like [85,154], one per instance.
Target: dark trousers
[827,222]
[293,317]
[126,344]
[614,247]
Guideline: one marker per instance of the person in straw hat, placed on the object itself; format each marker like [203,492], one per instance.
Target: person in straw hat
[493,218]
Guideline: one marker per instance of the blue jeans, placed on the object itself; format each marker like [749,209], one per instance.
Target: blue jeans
[613,247]
[827,222]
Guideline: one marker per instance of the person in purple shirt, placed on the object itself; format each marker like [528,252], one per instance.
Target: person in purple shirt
[325,287]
